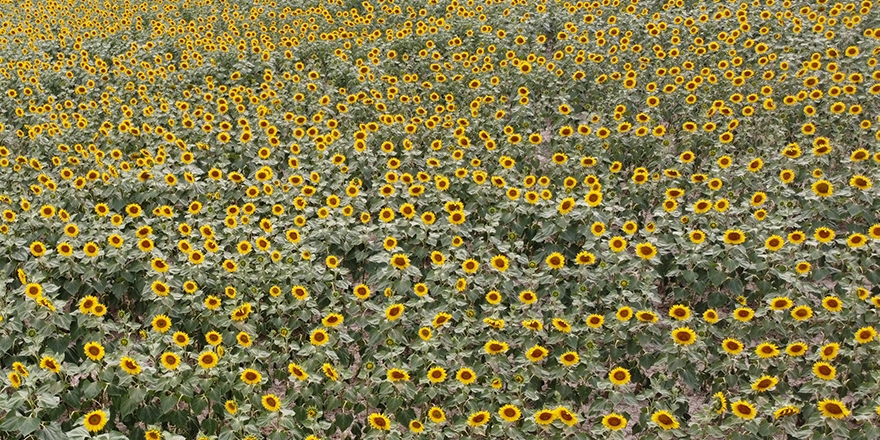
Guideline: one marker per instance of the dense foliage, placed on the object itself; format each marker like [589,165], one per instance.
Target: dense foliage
[442,219]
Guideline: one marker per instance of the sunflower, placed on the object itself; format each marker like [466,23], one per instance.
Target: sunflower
[94,351]
[497,324]
[824,371]
[493,297]
[697,236]
[803,267]
[796,349]
[416,426]
[437,374]
[822,188]
[181,339]
[664,419]
[780,303]
[170,360]
[824,234]
[479,418]
[865,335]
[38,248]
[533,325]
[732,346]
[466,376]
[145,245]
[397,375]
[764,383]
[702,206]
[832,304]
[786,411]
[774,243]
[680,312]
[297,371]
[394,311]
[65,249]
[500,263]
[379,421]
[425,333]
[646,251]
[436,414]
[555,260]
[361,291]
[569,358]
[743,314]
[614,422]
[684,336]
[319,337]
[470,266]
[802,313]
[834,409]
[332,320]
[509,413]
[400,261]
[829,351]
[565,415]
[537,353]
[161,323]
[722,402]
[734,236]
[20,369]
[619,376]
[743,409]
[766,350]
[595,321]
[49,363]
[231,407]
[527,297]
[617,244]
[208,360]
[566,206]
[545,417]
[214,338]
[710,316]
[160,288]
[856,240]
[271,402]
[251,376]
[874,231]
[457,217]
[130,365]
[646,316]
[624,313]
[95,420]
[597,229]
[86,305]
[561,325]
[585,258]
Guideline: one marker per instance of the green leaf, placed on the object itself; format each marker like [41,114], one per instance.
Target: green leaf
[48,401]
[91,390]
[766,429]
[11,423]
[51,432]
[167,402]
[198,405]
[131,401]
[77,433]
[735,286]
[716,277]
[73,286]
[28,425]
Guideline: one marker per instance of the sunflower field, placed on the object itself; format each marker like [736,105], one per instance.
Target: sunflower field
[446,219]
